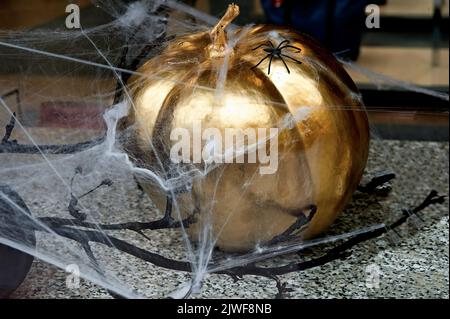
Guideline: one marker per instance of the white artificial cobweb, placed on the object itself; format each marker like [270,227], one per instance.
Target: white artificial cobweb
[72,76]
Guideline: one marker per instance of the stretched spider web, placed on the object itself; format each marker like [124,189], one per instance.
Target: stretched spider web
[71,190]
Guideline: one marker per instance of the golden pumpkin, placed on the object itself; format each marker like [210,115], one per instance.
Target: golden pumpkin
[211,78]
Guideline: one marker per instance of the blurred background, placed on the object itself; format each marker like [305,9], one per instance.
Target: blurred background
[411,44]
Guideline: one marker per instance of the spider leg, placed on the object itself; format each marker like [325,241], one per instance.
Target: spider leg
[262,44]
[284,62]
[290,46]
[281,43]
[291,58]
[261,61]
[270,63]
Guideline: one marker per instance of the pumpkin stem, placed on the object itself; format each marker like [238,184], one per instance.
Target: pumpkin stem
[218,36]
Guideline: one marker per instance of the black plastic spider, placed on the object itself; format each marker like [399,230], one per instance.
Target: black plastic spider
[277,52]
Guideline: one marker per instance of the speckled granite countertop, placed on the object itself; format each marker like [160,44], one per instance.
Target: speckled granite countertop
[417,267]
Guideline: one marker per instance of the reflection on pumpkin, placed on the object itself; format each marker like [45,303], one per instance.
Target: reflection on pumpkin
[210,77]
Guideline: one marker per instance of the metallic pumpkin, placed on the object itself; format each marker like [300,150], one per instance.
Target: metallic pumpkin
[321,158]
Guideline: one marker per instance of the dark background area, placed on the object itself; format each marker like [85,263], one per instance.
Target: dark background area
[411,46]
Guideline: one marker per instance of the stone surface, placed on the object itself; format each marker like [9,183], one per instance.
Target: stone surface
[417,267]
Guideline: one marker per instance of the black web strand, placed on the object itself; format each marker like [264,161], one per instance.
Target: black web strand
[165,222]
[341,251]
[133,65]
[70,228]
[379,180]
[16,93]
[8,129]
[302,221]
[7,146]
[50,149]
[105,182]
